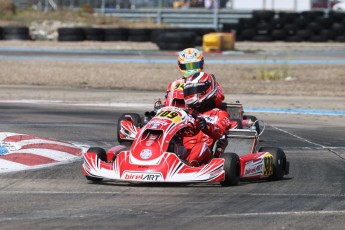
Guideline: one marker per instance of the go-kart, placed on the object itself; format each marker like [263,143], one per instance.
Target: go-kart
[154,156]
[130,123]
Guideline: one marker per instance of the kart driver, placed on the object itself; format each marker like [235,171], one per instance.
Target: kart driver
[200,94]
[189,61]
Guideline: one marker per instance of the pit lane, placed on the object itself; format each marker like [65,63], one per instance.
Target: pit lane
[311,197]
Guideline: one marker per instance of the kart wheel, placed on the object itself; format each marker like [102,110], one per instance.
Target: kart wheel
[280,167]
[253,119]
[95,179]
[101,154]
[239,123]
[231,168]
[137,121]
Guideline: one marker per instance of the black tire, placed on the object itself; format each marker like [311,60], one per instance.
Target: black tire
[232,169]
[305,34]
[230,27]
[315,27]
[247,34]
[289,17]
[262,38]
[101,155]
[294,38]
[177,37]
[338,28]
[12,30]
[263,15]
[137,122]
[253,119]
[318,38]
[278,23]
[263,29]
[155,35]
[139,35]
[139,32]
[336,15]
[15,33]
[139,38]
[16,37]
[71,31]
[301,23]
[174,46]
[312,15]
[279,161]
[279,35]
[247,23]
[239,123]
[94,34]
[340,38]
[71,38]
[116,34]
[290,29]
[329,33]
[324,22]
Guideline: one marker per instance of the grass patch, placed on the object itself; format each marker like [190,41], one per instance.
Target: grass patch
[83,16]
[272,74]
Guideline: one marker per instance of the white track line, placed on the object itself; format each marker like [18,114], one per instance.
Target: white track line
[301,138]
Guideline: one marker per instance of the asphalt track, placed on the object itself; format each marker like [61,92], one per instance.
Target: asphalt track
[312,196]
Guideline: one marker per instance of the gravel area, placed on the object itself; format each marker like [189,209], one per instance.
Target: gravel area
[296,80]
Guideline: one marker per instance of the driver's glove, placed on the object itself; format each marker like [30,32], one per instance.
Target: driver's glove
[202,123]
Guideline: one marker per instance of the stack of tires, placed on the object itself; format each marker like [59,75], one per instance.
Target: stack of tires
[15,33]
[103,34]
[313,26]
[174,39]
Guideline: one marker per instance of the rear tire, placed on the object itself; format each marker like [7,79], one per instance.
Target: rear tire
[253,119]
[279,161]
[231,168]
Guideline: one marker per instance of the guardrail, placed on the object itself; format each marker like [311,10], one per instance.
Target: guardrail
[183,18]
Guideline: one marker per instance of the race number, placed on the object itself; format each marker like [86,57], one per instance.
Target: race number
[172,115]
[179,86]
[268,165]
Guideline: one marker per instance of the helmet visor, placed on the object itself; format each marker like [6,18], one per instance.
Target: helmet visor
[191,65]
[192,89]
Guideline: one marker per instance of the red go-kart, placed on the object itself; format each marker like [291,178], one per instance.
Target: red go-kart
[154,156]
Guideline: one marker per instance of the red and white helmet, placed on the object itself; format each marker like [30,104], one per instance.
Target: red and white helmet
[200,89]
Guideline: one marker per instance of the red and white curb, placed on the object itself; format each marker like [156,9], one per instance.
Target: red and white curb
[21,152]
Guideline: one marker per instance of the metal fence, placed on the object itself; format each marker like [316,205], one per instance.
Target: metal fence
[191,18]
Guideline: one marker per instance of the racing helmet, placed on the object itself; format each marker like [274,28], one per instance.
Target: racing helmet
[190,61]
[200,89]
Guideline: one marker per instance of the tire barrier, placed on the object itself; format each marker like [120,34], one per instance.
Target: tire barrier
[15,33]
[312,26]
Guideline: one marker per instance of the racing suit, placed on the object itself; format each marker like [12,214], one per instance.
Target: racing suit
[174,94]
[199,146]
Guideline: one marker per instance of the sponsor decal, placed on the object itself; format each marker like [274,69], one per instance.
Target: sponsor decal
[255,170]
[142,176]
[145,153]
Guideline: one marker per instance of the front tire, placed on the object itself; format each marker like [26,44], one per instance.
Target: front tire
[136,122]
[102,155]
[231,168]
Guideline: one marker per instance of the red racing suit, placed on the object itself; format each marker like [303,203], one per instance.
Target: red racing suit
[199,146]
[174,94]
